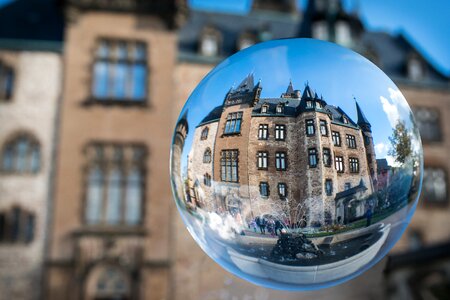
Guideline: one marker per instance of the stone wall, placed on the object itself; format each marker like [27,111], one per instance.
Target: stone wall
[31,110]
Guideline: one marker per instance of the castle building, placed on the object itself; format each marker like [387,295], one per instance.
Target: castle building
[294,156]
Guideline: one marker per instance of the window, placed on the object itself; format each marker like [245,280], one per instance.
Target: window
[263,131]
[354,165]
[17,226]
[264,189]
[351,141]
[207,179]
[312,155]
[280,160]
[209,44]
[207,156]
[6,82]
[280,132]
[339,163]
[204,134]
[245,42]
[327,157]
[282,190]
[280,108]
[114,184]
[329,187]
[345,120]
[343,34]
[336,138]
[233,123]
[262,157]
[310,129]
[21,155]
[323,128]
[320,30]
[309,104]
[264,109]
[428,121]
[120,71]
[415,69]
[435,189]
[229,166]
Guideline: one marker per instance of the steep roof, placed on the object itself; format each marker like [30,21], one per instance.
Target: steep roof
[213,115]
[362,120]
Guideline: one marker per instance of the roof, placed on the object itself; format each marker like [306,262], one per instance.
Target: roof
[361,117]
[31,25]
[264,25]
[382,164]
[214,115]
[290,107]
[361,187]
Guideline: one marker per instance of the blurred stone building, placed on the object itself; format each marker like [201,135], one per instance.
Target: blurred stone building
[30,93]
[111,229]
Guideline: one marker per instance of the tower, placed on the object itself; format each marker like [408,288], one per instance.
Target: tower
[366,130]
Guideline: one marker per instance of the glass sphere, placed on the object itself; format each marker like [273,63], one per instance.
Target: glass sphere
[296,164]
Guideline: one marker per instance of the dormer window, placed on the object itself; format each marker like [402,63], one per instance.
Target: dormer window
[210,42]
[320,30]
[343,34]
[280,108]
[345,120]
[318,105]
[246,40]
[415,69]
[309,104]
[265,109]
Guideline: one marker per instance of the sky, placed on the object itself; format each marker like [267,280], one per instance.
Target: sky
[425,23]
[337,73]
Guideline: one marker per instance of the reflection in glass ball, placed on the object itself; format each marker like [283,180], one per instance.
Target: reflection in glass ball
[296,164]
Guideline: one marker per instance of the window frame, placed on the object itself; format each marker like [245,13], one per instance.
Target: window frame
[327,150]
[312,153]
[12,153]
[204,134]
[351,141]
[111,60]
[329,183]
[339,161]
[282,186]
[336,138]
[207,158]
[233,121]
[262,160]
[267,189]
[263,132]
[353,165]
[309,124]
[281,161]
[323,124]
[229,165]
[280,132]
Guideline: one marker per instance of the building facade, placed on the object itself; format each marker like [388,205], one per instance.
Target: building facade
[111,233]
[30,93]
[294,158]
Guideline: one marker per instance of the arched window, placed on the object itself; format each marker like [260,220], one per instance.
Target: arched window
[16,226]
[207,156]
[107,282]
[6,82]
[21,155]
[210,42]
[114,184]
[204,134]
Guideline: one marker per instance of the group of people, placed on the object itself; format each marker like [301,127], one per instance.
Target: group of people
[269,225]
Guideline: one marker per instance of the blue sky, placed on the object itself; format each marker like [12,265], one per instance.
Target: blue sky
[335,72]
[425,23]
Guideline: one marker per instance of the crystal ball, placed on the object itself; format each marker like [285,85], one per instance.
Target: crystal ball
[296,164]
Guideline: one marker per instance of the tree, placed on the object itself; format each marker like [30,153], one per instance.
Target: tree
[401,143]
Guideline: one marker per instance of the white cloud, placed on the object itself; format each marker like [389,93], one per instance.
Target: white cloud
[396,108]
[381,149]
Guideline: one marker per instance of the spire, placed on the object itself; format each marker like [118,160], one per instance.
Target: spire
[290,88]
[307,93]
[247,83]
[362,120]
